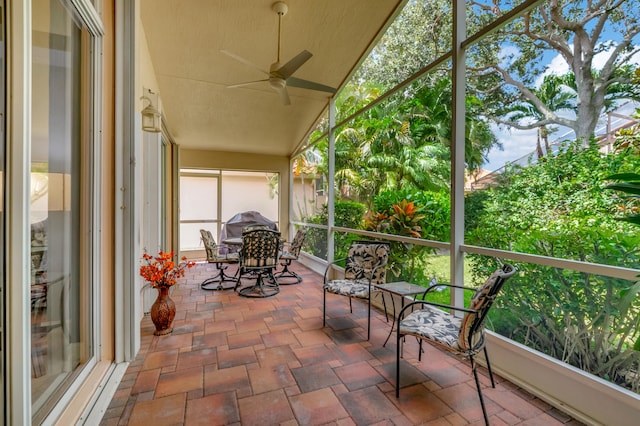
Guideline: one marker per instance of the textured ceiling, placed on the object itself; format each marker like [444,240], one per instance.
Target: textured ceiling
[185,39]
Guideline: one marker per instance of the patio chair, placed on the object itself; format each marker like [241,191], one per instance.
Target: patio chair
[258,259]
[289,253]
[461,336]
[219,255]
[366,264]
[254,227]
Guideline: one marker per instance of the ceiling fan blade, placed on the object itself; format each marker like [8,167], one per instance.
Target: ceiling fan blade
[306,84]
[290,67]
[244,61]
[248,83]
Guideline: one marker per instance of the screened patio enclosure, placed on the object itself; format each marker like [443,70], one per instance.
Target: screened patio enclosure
[426,110]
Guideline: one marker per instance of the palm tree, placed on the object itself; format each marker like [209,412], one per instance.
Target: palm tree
[410,144]
[403,142]
[558,94]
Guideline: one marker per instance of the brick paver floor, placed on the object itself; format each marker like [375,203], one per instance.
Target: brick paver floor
[232,360]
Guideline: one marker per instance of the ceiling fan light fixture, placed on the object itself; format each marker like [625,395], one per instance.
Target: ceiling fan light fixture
[277,84]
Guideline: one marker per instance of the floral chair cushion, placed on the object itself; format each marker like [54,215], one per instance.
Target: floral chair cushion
[207,238]
[292,251]
[351,288]
[367,260]
[433,324]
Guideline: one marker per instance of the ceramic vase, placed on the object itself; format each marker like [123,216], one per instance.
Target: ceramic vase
[163,311]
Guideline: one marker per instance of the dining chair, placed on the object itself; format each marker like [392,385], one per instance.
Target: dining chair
[219,255]
[254,227]
[288,253]
[258,259]
[366,264]
[461,336]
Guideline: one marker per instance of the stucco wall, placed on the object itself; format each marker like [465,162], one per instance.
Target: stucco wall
[147,72]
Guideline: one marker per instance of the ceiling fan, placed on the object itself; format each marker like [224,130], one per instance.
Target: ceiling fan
[281,76]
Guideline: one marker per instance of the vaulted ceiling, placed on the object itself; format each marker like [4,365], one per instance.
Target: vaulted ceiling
[186,39]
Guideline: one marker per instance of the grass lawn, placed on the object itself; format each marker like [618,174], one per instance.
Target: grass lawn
[439,266]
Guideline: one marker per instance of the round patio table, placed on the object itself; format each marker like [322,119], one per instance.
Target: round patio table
[234,241]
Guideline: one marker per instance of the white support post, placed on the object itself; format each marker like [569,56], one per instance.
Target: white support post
[457,152]
[331,196]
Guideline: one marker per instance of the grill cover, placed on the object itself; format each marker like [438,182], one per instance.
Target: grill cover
[233,227]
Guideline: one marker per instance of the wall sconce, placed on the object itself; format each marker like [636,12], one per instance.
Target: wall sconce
[151,117]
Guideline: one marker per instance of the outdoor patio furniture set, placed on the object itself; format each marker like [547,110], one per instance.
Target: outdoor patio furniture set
[258,253]
[365,274]
[436,323]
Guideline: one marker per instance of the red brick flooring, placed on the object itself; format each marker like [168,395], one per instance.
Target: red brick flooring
[233,360]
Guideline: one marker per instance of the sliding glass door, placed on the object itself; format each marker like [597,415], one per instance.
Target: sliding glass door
[61,311]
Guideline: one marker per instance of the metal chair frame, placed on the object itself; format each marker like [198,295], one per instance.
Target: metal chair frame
[219,255]
[471,335]
[361,269]
[290,252]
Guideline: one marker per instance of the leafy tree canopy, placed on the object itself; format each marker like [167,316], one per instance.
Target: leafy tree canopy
[505,66]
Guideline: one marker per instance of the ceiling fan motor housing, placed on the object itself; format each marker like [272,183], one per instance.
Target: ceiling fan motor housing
[280,8]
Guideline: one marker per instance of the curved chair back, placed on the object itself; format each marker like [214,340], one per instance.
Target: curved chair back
[210,245]
[254,227]
[260,249]
[367,260]
[296,244]
[471,337]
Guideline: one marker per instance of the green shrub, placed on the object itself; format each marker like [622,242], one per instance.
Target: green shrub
[557,208]
[347,214]
[435,208]
[417,214]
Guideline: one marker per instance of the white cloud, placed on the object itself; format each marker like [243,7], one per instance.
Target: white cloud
[506,52]
[558,66]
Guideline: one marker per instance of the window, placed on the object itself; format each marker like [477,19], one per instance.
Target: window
[210,197]
[198,208]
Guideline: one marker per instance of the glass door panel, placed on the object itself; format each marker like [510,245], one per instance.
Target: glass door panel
[60,316]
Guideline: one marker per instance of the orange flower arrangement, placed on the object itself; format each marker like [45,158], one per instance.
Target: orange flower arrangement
[160,271]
